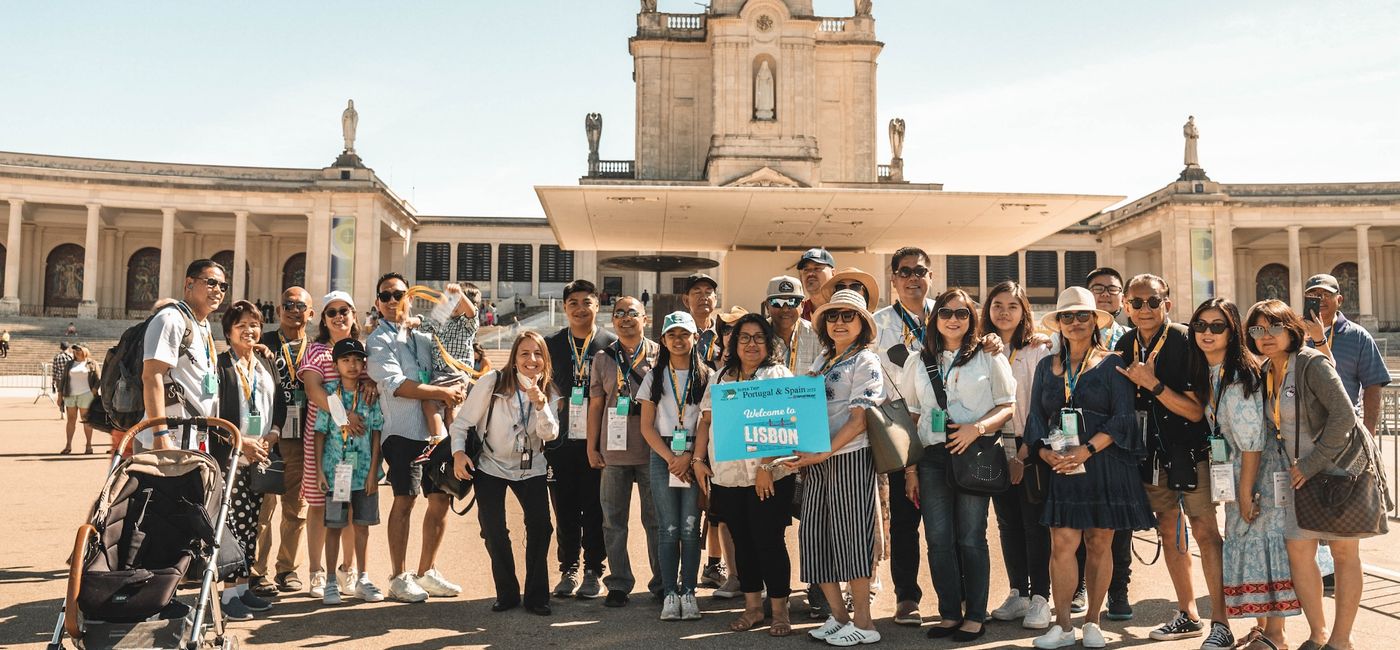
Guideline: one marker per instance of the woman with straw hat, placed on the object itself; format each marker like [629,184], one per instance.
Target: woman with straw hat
[1081,425]
[838,497]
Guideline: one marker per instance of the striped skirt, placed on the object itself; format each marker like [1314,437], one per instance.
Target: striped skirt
[837,534]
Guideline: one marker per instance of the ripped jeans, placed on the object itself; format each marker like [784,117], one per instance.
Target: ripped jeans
[678,524]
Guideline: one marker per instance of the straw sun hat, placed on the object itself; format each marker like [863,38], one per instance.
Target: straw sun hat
[1075,299]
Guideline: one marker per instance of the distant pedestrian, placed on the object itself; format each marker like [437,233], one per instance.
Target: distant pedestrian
[646,298]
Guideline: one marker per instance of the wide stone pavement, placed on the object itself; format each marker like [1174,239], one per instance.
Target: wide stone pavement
[44,497]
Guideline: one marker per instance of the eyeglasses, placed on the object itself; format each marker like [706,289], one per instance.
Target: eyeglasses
[917,272]
[853,286]
[337,313]
[1214,327]
[1068,317]
[843,315]
[1152,303]
[784,303]
[294,305]
[961,313]
[1101,289]
[214,283]
[627,313]
[757,339]
[1259,331]
[391,296]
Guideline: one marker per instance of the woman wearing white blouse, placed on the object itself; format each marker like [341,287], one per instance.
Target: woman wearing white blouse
[978,395]
[511,410]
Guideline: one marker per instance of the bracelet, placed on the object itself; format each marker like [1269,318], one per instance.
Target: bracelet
[161,432]
[696,460]
[1018,461]
[1090,446]
[1159,389]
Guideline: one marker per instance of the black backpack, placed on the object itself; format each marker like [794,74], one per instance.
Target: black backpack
[120,401]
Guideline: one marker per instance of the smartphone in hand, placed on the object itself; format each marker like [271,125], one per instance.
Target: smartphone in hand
[1312,309]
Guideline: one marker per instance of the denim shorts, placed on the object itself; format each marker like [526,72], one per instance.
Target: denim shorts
[365,507]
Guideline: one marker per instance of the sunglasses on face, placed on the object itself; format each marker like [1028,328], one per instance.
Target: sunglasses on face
[853,286]
[1101,289]
[391,296]
[843,315]
[784,303]
[1259,331]
[1152,303]
[1068,317]
[1214,327]
[757,339]
[338,312]
[915,272]
[961,313]
[293,305]
[214,283]
[627,313]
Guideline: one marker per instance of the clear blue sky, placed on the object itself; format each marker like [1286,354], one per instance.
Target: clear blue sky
[465,105]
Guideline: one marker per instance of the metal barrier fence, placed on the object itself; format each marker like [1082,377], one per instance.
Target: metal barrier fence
[1388,430]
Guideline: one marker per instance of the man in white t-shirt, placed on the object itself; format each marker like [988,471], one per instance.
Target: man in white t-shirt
[180,381]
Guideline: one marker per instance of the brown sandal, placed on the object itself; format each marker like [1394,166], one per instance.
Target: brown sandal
[746,621]
[780,628]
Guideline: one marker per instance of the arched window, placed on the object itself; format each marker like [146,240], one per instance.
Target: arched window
[1271,282]
[1346,275]
[63,277]
[142,279]
[294,272]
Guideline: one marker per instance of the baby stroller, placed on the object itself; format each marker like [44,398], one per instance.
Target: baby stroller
[158,524]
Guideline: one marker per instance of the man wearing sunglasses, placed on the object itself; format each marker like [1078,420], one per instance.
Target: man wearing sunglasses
[815,267]
[399,362]
[797,345]
[1177,470]
[178,378]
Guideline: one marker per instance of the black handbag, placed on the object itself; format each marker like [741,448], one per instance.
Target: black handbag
[439,466]
[982,468]
[269,477]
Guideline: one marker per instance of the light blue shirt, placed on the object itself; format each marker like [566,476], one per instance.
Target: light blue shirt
[396,356]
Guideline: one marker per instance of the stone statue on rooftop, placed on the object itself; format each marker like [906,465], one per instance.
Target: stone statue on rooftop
[648,6]
[897,138]
[1192,135]
[349,121]
[863,7]
[763,93]
[593,126]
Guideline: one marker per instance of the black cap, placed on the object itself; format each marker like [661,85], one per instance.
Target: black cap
[818,255]
[697,278]
[1323,281]
[347,347]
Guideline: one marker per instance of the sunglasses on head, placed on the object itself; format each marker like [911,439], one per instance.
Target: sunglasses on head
[1152,303]
[1214,327]
[214,283]
[1101,289]
[1259,331]
[1068,317]
[745,339]
[784,303]
[627,313]
[336,312]
[391,296]
[961,313]
[843,315]
[294,305]
[916,272]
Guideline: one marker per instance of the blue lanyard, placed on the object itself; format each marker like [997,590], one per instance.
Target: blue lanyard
[676,393]
[910,325]
[524,406]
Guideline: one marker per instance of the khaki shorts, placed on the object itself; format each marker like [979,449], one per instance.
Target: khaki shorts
[80,402]
[1197,502]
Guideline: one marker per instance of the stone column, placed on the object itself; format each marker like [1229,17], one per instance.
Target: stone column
[270,271]
[1224,251]
[318,252]
[981,279]
[1295,270]
[1367,317]
[167,252]
[88,307]
[1060,272]
[238,275]
[14,254]
[1390,284]
[1021,267]
[535,271]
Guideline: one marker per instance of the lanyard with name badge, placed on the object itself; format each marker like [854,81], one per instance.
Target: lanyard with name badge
[345,469]
[211,379]
[578,398]
[1222,471]
[522,432]
[292,430]
[617,417]
[913,330]
[680,436]
[250,395]
[1071,417]
[1283,481]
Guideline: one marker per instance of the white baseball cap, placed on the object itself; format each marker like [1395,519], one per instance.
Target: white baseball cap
[338,296]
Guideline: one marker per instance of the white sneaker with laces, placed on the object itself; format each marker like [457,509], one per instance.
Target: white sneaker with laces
[1092,636]
[405,589]
[437,585]
[347,578]
[1057,637]
[850,635]
[366,591]
[690,609]
[1013,607]
[1037,615]
[830,627]
[318,584]
[330,595]
[671,608]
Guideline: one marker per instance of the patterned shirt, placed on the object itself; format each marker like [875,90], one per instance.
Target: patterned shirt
[857,380]
[456,335]
[60,366]
[336,448]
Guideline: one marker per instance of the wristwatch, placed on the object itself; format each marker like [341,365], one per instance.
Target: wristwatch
[1092,449]
[1161,387]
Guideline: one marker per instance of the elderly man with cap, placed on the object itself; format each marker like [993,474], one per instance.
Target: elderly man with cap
[1353,351]
[797,345]
[815,267]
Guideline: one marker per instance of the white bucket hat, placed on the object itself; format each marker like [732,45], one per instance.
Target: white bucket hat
[1075,299]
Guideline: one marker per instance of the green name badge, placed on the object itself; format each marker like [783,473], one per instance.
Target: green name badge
[678,440]
[576,397]
[938,421]
[1069,423]
[624,405]
[1218,452]
[211,384]
[424,377]
[299,396]
[254,425]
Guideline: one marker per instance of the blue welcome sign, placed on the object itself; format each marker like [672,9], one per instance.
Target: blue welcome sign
[769,417]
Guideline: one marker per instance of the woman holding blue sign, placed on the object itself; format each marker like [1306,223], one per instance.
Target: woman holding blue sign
[670,396]
[752,497]
[838,492]
[959,393]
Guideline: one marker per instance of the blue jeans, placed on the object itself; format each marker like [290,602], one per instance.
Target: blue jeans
[955,526]
[678,530]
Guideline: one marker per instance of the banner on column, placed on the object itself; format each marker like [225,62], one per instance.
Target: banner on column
[342,276]
[769,417]
[1202,265]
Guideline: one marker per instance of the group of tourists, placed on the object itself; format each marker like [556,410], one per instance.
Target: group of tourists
[1106,428]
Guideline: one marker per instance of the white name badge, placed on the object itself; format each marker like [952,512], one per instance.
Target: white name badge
[291,430]
[677,482]
[344,472]
[617,431]
[337,410]
[1222,482]
[1283,489]
[578,420]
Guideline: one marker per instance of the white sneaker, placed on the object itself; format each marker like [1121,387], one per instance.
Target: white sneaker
[366,591]
[1057,637]
[1093,636]
[1013,607]
[671,609]
[690,610]
[330,594]
[1037,615]
[346,578]
[405,589]
[729,589]
[437,585]
[830,627]
[318,584]
[850,635]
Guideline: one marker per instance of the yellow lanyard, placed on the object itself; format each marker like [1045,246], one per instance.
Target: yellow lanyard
[1277,394]
[580,355]
[1161,340]
[832,363]
[208,338]
[354,406]
[792,349]
[1072,380]
[287,354]
[676,393]
[243,380]
[1012,358]
[637,358]
[1215,394]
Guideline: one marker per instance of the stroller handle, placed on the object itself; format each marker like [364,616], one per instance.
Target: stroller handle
[228,429]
